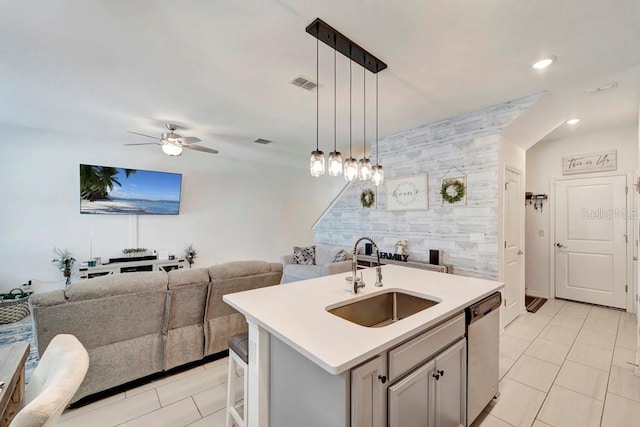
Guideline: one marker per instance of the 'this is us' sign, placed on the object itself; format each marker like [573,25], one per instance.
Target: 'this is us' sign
[585,163]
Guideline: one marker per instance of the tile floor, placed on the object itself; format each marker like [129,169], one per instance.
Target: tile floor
[569,364]
[194,398]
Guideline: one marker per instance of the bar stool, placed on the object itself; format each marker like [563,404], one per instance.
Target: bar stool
[238,356]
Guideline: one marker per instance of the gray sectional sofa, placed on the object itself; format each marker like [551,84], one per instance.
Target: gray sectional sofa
[137,324]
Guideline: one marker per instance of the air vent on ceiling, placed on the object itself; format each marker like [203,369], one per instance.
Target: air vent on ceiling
[303,83]
[262,141]
[603,88]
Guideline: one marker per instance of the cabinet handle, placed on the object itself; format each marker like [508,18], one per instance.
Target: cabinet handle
[441,372]
[436,376]
[382,378]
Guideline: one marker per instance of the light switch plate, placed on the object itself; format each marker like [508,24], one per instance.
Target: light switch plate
[476,237]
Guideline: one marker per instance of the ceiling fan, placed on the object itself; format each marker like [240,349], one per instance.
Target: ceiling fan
[173,144]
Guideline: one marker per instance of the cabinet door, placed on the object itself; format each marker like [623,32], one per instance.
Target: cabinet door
[367,394]
[450,390]
[410,399]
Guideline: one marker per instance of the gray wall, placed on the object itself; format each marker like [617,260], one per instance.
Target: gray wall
[469,142]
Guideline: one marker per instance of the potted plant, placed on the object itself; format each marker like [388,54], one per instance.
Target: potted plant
[190,254]
[64,261]
[132,252]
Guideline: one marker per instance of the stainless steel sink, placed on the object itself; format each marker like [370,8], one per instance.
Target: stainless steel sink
[382,309]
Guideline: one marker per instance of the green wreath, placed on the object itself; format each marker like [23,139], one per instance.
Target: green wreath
[458,191]
[367,198]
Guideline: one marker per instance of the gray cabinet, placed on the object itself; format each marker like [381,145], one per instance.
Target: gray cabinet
[450,386]
[433,395]
[368,393]
[410,398]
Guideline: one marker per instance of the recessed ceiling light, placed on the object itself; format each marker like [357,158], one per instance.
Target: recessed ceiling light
[572,121]
[544,62]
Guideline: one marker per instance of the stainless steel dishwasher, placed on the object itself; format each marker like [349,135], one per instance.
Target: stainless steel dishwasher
[483,354]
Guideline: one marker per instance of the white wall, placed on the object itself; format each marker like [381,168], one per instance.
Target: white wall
[544,163]
[229,210]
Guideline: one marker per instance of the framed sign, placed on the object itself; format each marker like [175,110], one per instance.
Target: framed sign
[408,193]
[586,163]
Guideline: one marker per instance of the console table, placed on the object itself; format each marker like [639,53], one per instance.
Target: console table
[372,261]
[12,360]
[130,267]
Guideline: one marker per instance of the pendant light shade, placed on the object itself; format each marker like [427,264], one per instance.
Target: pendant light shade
[350,169]
[377,175]
[364,166]
[316,162]
[335,163]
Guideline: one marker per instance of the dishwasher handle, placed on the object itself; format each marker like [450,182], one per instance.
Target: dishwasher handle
[484,307]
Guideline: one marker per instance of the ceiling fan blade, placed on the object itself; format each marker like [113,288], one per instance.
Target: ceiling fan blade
[199,148]
[142,134]
[146,143]
[188,139]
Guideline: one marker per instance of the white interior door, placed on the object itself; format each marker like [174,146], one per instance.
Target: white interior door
[591,240]
[513,259]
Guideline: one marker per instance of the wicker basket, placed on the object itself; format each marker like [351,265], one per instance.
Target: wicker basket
[14,306]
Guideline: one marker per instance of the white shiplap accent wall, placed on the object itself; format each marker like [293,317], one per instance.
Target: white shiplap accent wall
[469,142]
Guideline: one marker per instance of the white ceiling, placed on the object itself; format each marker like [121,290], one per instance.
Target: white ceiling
[222,68]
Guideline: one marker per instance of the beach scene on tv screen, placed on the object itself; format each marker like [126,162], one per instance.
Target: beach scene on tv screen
[110,190]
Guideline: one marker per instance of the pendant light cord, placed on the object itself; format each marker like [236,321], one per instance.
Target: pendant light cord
[334,95]
[350,110]
[377,162]
[317,92]
[364,114]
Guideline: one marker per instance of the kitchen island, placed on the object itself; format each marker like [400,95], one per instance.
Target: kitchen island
[302,358]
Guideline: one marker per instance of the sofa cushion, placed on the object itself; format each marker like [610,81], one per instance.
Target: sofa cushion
[304,255]
[326,253]
[340,256]
[117,284]
[237,269]
[302,272]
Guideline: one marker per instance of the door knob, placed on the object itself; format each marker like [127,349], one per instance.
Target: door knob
[560,245]
[520,252]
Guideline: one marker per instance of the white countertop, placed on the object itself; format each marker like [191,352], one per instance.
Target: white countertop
[296,312]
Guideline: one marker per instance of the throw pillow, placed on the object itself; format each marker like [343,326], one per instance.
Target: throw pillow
[304,255]
[341,255]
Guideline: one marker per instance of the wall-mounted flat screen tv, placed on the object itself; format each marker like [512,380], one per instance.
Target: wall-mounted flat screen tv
[120,191]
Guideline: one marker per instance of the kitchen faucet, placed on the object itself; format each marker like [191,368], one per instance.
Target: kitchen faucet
[354,266]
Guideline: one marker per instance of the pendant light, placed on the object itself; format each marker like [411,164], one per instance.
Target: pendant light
[377,175]
[316,162]
[350,165]
[335,157]
[364,164]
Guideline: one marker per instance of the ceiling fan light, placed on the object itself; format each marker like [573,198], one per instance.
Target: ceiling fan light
[543,63]
[364,165]
[377,175]
[316,163]
[335,163]
[171,149]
